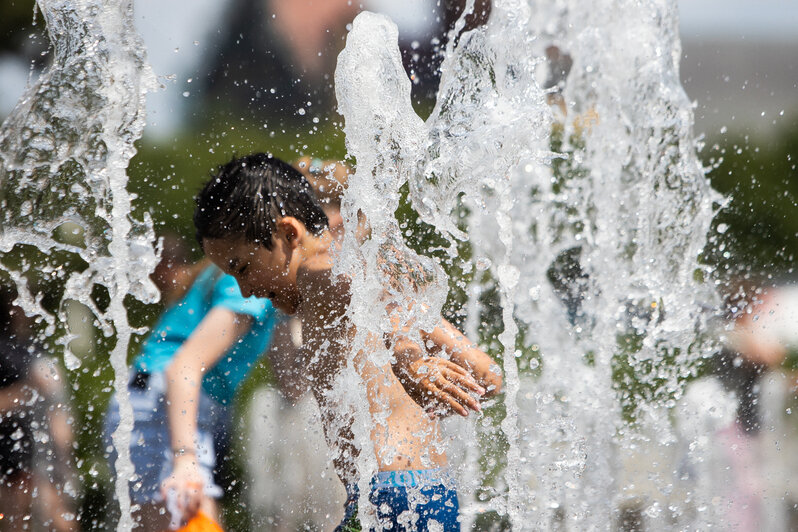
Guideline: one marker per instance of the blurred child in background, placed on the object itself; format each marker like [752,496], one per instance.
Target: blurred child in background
[38,485]
[181,387]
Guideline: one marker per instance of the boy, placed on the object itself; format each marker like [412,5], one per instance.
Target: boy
[259,221]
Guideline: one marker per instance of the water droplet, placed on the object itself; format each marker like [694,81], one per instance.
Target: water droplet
[483,263]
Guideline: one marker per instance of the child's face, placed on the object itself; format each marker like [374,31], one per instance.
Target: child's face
[259,271]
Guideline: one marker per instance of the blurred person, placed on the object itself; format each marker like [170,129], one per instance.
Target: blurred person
[761,333]
[38,485]
[329,179]
[278,57]
[758,337]
[173,275]
[175,271]
[764,322]
[559,63]
[181,387]
[275,60]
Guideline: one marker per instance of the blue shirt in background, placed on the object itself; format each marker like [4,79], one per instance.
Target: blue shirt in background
[211,289]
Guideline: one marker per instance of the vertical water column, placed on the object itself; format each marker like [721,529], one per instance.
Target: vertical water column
[595,252]
[605,242]
[490,119]
[64,151]
[386,138]
[638,209]
[490,116]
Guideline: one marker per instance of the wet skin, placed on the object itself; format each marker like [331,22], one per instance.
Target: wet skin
[295,274]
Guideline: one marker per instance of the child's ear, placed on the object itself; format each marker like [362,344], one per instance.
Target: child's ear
[292,229]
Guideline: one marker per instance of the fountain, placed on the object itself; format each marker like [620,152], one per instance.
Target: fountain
[586,220]
[572,217]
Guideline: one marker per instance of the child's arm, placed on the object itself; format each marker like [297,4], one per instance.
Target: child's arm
[465,354]
[436,382]
[213,337]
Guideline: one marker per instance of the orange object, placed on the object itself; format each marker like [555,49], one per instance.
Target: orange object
[201,523]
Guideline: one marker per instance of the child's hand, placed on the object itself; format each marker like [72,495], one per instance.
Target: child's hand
[437,384]
[482,367]
[184,485]
[466,354]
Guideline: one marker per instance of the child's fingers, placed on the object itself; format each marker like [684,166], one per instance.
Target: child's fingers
[445,399]
[192,508]
[193,499]
[466,381]
[458,395]
[456,407]
[454,367]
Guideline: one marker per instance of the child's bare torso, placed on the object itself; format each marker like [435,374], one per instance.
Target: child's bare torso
[404,436]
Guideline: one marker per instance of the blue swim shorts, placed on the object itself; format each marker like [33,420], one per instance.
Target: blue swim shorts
[408,501]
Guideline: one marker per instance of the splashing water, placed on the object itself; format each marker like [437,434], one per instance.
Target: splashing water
[64,151]
[584,207]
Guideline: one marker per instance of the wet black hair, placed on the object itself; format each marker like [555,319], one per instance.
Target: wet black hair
[247,196]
